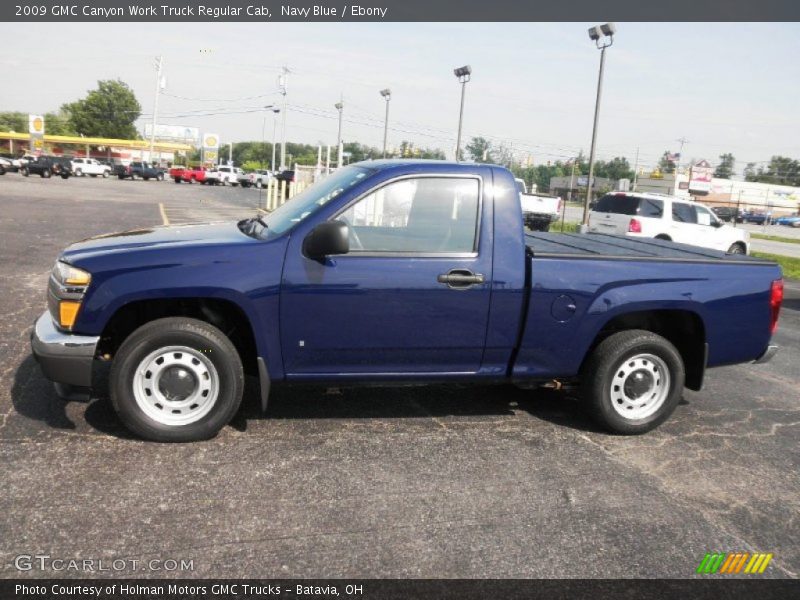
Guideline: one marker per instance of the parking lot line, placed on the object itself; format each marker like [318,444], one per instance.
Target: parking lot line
[164,218]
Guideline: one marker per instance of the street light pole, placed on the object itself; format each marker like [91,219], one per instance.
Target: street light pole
[159,65]
[275,112]
[387,95]
[282,85]
[339,106]
[464,74]
[596,33]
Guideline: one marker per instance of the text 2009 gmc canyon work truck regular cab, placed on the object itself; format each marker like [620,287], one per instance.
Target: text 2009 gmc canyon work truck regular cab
[396,271]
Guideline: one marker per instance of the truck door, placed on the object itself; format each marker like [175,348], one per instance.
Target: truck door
[411,296]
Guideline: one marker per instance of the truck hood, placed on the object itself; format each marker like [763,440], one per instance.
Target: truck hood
[157,238]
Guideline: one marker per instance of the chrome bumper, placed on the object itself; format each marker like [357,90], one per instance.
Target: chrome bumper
[65,358]
[767,356]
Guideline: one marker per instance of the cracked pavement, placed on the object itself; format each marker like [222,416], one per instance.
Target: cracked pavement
[444,481]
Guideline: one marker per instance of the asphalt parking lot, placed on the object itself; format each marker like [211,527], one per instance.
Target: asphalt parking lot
[376,482]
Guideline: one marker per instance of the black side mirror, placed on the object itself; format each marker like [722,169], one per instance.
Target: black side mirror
[330,237]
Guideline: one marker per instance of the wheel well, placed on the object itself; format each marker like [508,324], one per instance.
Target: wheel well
[663,236]
[222,314]
[740,244]
[683,328]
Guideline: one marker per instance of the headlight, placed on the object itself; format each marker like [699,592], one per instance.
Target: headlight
[67,286]
[69,275]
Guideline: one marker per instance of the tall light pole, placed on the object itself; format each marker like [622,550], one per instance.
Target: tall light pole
[275,112]
[387,95]
[339,106]
[603,37]
[464,74]
[282,81]
[263,132]
[159,64]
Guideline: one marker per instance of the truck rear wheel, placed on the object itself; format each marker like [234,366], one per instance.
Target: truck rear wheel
[632,381]
[176,380]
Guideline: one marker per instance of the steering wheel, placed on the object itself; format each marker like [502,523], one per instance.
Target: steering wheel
[355,242]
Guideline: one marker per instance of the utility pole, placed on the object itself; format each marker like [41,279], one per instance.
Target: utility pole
[159,64]
[464,74]
[282,84]
[571,181]
[339,106]
[387,95]
[275,112]
[635,170]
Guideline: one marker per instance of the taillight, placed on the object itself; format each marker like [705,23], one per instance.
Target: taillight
[775,301]
[634,226]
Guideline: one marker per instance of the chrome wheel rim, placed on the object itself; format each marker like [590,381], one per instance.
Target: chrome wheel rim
[640,386]
[176,385]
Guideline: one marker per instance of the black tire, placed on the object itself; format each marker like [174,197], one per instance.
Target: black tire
[604,363]
[160,177]
[737,248]
[176,331]
[47,173]
[177,179]
[24,171]
[146,178]
[92,174]
[121,177]
[78,173]
[65,176]
[105,174]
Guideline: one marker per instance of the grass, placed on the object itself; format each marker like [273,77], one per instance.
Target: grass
[790,266]
[568,227]
[775,238]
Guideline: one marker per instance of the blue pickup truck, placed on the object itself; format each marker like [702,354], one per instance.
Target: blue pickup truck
[396,272]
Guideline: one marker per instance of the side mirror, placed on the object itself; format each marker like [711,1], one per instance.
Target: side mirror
[716,223]
[330,237]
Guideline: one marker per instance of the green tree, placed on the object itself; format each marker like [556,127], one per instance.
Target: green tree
[616,168]
[725,168]
[750,172]
[14,121]
[109,111]
[479,149]
[665,165]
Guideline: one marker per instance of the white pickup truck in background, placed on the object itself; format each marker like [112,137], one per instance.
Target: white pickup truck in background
[89,166]
[538,211]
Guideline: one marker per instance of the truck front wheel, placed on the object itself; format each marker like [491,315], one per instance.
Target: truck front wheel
[176,380]
[633,381]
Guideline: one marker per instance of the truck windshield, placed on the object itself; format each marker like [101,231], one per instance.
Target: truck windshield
[309,201]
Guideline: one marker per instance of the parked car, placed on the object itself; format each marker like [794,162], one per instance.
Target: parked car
[142,170]
[758,218]
[12,163]
[396,272]
[229,175]
[47,166]
[538,211]
[258,178]
[89,166]
[665,218]
[789,221]
[727,214]
[5,165]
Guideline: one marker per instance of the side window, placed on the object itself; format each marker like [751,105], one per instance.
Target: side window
[703,216]
[683,213]
[651,208]
[426,214]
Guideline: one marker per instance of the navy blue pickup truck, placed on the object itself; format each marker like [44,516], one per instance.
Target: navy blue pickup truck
[396,272]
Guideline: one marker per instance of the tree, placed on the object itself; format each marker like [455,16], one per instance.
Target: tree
[725,168]
[750,172]
[14,121]
[109,111]
[616,168]
[480,150]
[666,164]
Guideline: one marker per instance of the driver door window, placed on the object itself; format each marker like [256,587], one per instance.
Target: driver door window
[416,215]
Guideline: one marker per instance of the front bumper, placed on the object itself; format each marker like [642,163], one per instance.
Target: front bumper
[65,358]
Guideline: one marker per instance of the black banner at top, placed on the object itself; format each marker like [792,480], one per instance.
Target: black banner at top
[396,10]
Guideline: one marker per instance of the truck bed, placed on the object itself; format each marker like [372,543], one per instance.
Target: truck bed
[604,246]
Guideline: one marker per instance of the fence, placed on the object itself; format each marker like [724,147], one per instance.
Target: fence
[278,192]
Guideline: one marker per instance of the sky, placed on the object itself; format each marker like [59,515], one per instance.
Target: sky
[724,87]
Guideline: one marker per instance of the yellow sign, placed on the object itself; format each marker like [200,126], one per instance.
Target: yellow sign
[38,143]
[210,142]
[36,124]
[210,156]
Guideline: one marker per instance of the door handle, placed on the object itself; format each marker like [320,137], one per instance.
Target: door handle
[460,278]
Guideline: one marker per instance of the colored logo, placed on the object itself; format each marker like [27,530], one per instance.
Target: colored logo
[35,124]
[732,563]
[211,141]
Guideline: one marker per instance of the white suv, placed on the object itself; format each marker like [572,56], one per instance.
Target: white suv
[642,214]
[89,166]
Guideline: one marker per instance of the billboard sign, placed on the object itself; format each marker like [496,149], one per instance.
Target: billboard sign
[210,147]
[36,130]
[173,133]
[700,177]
